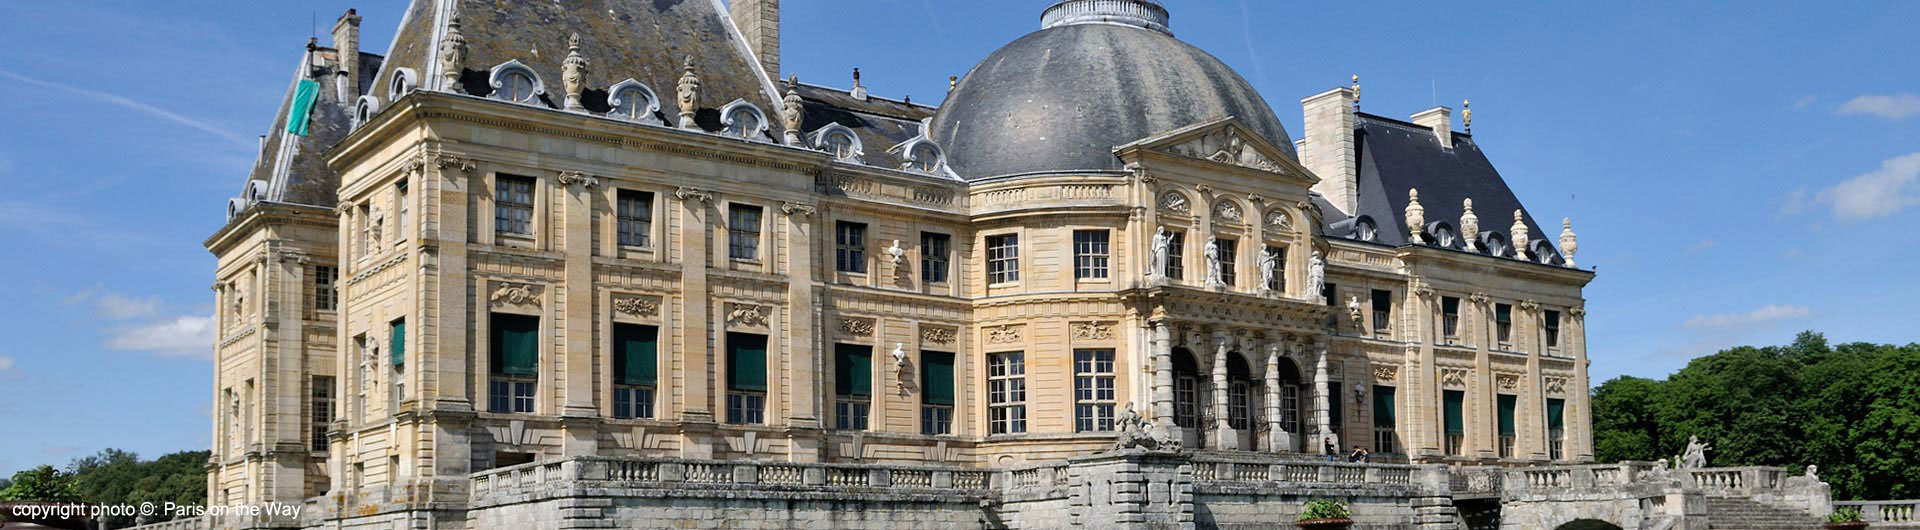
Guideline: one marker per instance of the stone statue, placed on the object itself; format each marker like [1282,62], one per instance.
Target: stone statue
[1695,456]
[1813,472]
[1213,263]
[1157,265]
[1134,433]
[1316,273]
[896,252]
[1660,472]
[1269,263]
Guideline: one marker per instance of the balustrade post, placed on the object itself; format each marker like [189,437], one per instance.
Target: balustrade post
[943,479]
[746,474]
[813,476]
[880,477]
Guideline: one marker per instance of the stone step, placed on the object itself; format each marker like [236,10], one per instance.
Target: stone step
[1743,514]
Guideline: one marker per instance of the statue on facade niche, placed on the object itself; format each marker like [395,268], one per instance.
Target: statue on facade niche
[1316,273]
[1134,433]
[1695,456]
[1157,265]
[1269,265]
[1213,263]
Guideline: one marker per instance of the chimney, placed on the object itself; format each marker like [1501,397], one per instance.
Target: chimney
[346,40]
[1327,146]
[759,22]
[1440,119]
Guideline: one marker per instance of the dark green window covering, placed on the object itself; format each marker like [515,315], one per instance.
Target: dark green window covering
[1503,313]
[1383,406]
[634,350]
[1334,417]
[936,377]
[852,370]
[299,115]
[746,362]
[1507,403]
[1454,402]
[515,344]
[399,346]
[1556,414]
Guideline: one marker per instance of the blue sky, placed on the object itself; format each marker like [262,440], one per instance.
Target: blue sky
[1738,172]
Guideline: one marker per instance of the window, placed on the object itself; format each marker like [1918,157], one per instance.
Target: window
[1383,435]
[852,386]
[514,353]
[1003,258]
[743,231]
[361,347]
[402,205]
[1503,324]
[1336,420]
[924,156]
[1450,316]
[321,396]
[1382,310]
[1507,405]
[635,370]
[746,378]
[1239,396]
[936,392]
[1443,235]
[513,205]
[1496,245]
[850,247]
[324,298]
[397,343]
[1331,295]
[840,143]
[1093,390]
[633,101]
[1556,428]
[1006,393]
[743,120]
[1364,230]
[1453,405]
[1090,249]
[1290,407]
[516,87]
[1186,399]
[1176,255]
[363,246]
[1552,325]
[1277,282]
[933,257]
[1229,261]
[635,218]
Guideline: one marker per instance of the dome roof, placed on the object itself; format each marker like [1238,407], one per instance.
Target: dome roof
[1060,99]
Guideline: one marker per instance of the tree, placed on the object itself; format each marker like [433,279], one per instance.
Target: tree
[42,483]
[113,476]
[1624,426]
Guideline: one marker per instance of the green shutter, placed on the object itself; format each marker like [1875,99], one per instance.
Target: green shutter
[399,346]
[852,370]
[746,362]
[1455,402]
[1556,414]
[936,377]
[304,94]
[1334,418]
[1506,414]
[634,358]
[1383,406]
[516,344]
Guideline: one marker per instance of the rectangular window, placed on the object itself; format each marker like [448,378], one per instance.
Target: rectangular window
[1556,428]
[362,244]
[324,297]
[634,213]
[1335,418]
[1093,397]
[1238,398]
[1290,407]
[1382,310]
[746,378]
[1090,252]
[1330,295]
[852,386]
[397,343]
[1007,393]
[1185,400]
[1383,422]
[1453,420]
[1450,316]
[1003,258]
[513,205]
[1277,282]
[850,247]
[514,353]
[936,392]
[400,200]
[1176,255]
[322,419]
[1503,324]
[1229,261]
[1507,406]
[635,369]
[1552,325]
[933,257]
[743,231]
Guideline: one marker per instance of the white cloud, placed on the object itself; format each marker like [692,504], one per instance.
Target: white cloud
[1796,202]
[1804,102]
[1703,245]
[6,363]
[1876,193]
[184,336]
[1893,107]
[117,307]
[1767,313]
[137,106]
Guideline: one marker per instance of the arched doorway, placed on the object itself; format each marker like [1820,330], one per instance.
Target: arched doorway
[1587,524]
[1189,393]
[1293,418]
[1246,399]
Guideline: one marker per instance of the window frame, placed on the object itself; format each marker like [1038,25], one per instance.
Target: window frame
[849,247]
[1003,258]
[1006,393]
[504,203]
[936,257]
[1094,395]
[1450,318]
[1176,266]
[1228,250]
[1092,254]
[1381,303]
[633,231]
[325,298]
[747,239]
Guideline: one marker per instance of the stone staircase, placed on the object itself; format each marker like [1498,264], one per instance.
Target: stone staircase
[1732,513]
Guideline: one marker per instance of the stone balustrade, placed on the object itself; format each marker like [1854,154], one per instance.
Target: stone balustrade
[1225,468]
[604,472]
[1886,514]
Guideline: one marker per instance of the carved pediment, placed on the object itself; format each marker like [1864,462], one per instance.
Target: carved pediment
[1223,140]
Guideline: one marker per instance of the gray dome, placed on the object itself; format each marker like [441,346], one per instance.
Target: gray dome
[1060,99]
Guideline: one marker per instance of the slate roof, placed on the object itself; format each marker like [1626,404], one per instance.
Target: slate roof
[879,123]
[1396,156]
[291,168]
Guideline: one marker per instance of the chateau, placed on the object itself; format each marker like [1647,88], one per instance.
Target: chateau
[548,264]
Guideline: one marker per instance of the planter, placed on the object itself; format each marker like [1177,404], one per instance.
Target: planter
[1856,525]
[1324,524]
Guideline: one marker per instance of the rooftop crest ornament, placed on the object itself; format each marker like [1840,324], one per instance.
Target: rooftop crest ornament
[689,89]
[791,111]
[573,72]
[1469,223]
[453,55]
[1519,233]
[1416,215]
[1568,242]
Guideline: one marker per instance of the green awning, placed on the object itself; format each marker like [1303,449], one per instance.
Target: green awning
[746,362]
[852,370]
[1454,403]
[634,354]
[515,344]
[1383,407]
[1556,414]
[304,94]
[1507,405]
[399,339]
[936,377]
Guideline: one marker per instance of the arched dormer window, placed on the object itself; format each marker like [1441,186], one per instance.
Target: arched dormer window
[404,81]
[838,140]
[633,101]
[1541,251]
[255,192]
[1442,235]
[1364,229]
[922,155]
[744,120]
[364,109]
[1495,243]
[235,206]
[515,82]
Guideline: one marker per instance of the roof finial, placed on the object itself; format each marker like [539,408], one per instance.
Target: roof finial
[453,55]
[791,111]
[1356,92]
[573,72]
[1519,234]
[858,92]
[689,88]
[1416,216]
[1469,223]
[953,81]
[1466,114]
[1568,242]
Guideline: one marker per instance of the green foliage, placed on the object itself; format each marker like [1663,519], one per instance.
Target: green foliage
[43,483]
[119,477]
[1844,515]
[1854,410]
[1324,509]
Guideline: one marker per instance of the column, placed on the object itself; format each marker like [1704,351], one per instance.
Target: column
[581,436]
[1163,378]
[1278,439]
[1580,413]
[1322,421]
[697,403]
[1223,435]
[803,411]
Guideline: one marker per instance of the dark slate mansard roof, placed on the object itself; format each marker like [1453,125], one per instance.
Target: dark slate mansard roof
[878,123]
[289,168]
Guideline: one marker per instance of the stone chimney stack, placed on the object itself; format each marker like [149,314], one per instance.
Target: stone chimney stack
[1327,146]
[346,40]
[1440,119]
[759,21]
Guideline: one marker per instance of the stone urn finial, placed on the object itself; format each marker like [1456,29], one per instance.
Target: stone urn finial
[573,72]
[689,88]
[1568,242]
[1469,223]
[791,110]
[1519,234]
[453,55]
[1416,216]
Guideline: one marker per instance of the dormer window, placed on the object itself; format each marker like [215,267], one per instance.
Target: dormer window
[1495,244]
[364,109]
[515,82]
[1364,230]
[840,144]
[838,140]
[633,101]
[920,153]
[925,157]
[403,82]
[744,120]
[1444,237]
[518,88]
